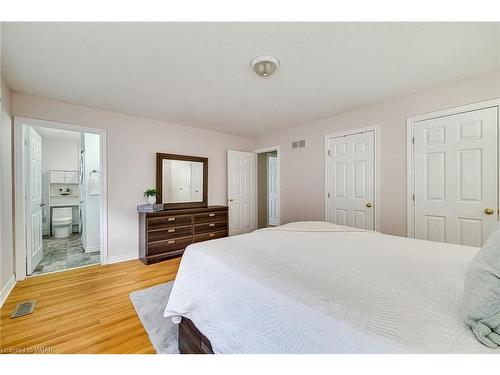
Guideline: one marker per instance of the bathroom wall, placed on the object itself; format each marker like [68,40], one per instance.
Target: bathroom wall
[132,143]
[7,279]
[92,224]
[58,153]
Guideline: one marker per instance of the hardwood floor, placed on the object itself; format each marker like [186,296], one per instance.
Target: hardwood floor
[86,310]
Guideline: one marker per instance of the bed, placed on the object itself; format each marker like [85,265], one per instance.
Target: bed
[316,287]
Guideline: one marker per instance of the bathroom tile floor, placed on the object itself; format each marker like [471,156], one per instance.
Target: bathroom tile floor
[64,253]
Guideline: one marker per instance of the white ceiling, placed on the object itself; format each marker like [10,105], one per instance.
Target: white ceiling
[199,73]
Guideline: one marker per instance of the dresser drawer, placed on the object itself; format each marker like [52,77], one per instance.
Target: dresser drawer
[210,227]
[169,233]
[160,222]
[168,245]
[166,234]
[210,216]
[210,236]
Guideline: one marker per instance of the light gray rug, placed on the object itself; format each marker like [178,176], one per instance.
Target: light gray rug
[149,304]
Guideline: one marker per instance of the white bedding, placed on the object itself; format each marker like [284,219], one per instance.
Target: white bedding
[314,287]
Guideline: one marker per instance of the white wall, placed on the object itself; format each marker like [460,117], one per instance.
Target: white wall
[92,224]
[302,170]
[132,144]
[6,222]
[58,154]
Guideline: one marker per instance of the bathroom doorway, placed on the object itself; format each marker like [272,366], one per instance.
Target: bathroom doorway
[59,168]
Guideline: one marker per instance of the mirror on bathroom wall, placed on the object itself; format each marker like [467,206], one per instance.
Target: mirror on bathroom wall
[181,181]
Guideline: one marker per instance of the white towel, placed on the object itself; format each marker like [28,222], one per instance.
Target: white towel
[94,183]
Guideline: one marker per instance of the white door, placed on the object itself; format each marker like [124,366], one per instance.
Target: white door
[351,180]
[456,186]
[196,182]
[272,190]
[34,246]
[242,191]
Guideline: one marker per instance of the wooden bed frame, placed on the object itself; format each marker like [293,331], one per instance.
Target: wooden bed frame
[191,340]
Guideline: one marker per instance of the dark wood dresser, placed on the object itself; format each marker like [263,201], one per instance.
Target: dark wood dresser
[165,234]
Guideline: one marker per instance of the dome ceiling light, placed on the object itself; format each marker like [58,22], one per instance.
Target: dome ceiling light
[264,66]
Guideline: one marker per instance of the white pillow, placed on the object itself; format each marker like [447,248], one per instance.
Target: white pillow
[481,309]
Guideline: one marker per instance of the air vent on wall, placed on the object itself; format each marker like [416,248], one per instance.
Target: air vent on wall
[299,144]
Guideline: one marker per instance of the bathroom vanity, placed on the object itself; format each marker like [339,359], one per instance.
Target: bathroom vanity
[182,188]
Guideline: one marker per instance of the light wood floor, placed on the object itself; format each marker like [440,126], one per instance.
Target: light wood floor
[86,310]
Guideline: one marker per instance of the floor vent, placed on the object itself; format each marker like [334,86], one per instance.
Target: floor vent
[24,308]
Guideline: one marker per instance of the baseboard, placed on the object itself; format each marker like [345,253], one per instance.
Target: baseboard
[123,258]
[92,249]
[7,289]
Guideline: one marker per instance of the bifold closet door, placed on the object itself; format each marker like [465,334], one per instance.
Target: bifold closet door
[351,180]
[456,177]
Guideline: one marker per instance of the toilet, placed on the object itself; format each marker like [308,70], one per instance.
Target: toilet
[62,221]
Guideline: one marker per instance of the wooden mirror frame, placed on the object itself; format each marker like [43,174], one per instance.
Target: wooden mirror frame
[159,179]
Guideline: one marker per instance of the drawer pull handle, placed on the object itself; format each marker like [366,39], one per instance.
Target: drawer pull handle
[211,225]
[171,242]
[211,215]
[211,234]
[171,219]
[171,230]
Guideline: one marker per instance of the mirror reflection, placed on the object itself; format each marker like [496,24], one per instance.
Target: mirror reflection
[182,181]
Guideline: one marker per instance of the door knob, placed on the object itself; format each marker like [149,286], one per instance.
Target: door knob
[489,211]
[368,205]
[230,200]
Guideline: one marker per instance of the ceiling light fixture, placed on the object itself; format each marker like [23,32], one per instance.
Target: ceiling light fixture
[265,66]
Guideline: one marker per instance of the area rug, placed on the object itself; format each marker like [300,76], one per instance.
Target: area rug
[149,305]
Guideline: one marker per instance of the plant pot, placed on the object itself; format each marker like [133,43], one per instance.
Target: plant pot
[152,199]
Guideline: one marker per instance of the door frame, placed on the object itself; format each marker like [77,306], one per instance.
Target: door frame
[264,151]
[20,126]
[411,122]
[376,190]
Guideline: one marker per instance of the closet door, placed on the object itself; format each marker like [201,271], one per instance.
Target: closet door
[456,177]
[351,180]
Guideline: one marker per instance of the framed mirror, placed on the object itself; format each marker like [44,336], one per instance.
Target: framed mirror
[181,181]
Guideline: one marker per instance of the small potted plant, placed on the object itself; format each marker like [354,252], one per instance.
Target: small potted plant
[150,193]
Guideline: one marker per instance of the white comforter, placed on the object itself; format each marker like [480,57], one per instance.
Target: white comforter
[314,287]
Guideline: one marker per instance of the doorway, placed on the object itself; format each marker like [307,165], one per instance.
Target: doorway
[453,174]
[253,189]
[350,178]
[267,189]
[60,197]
